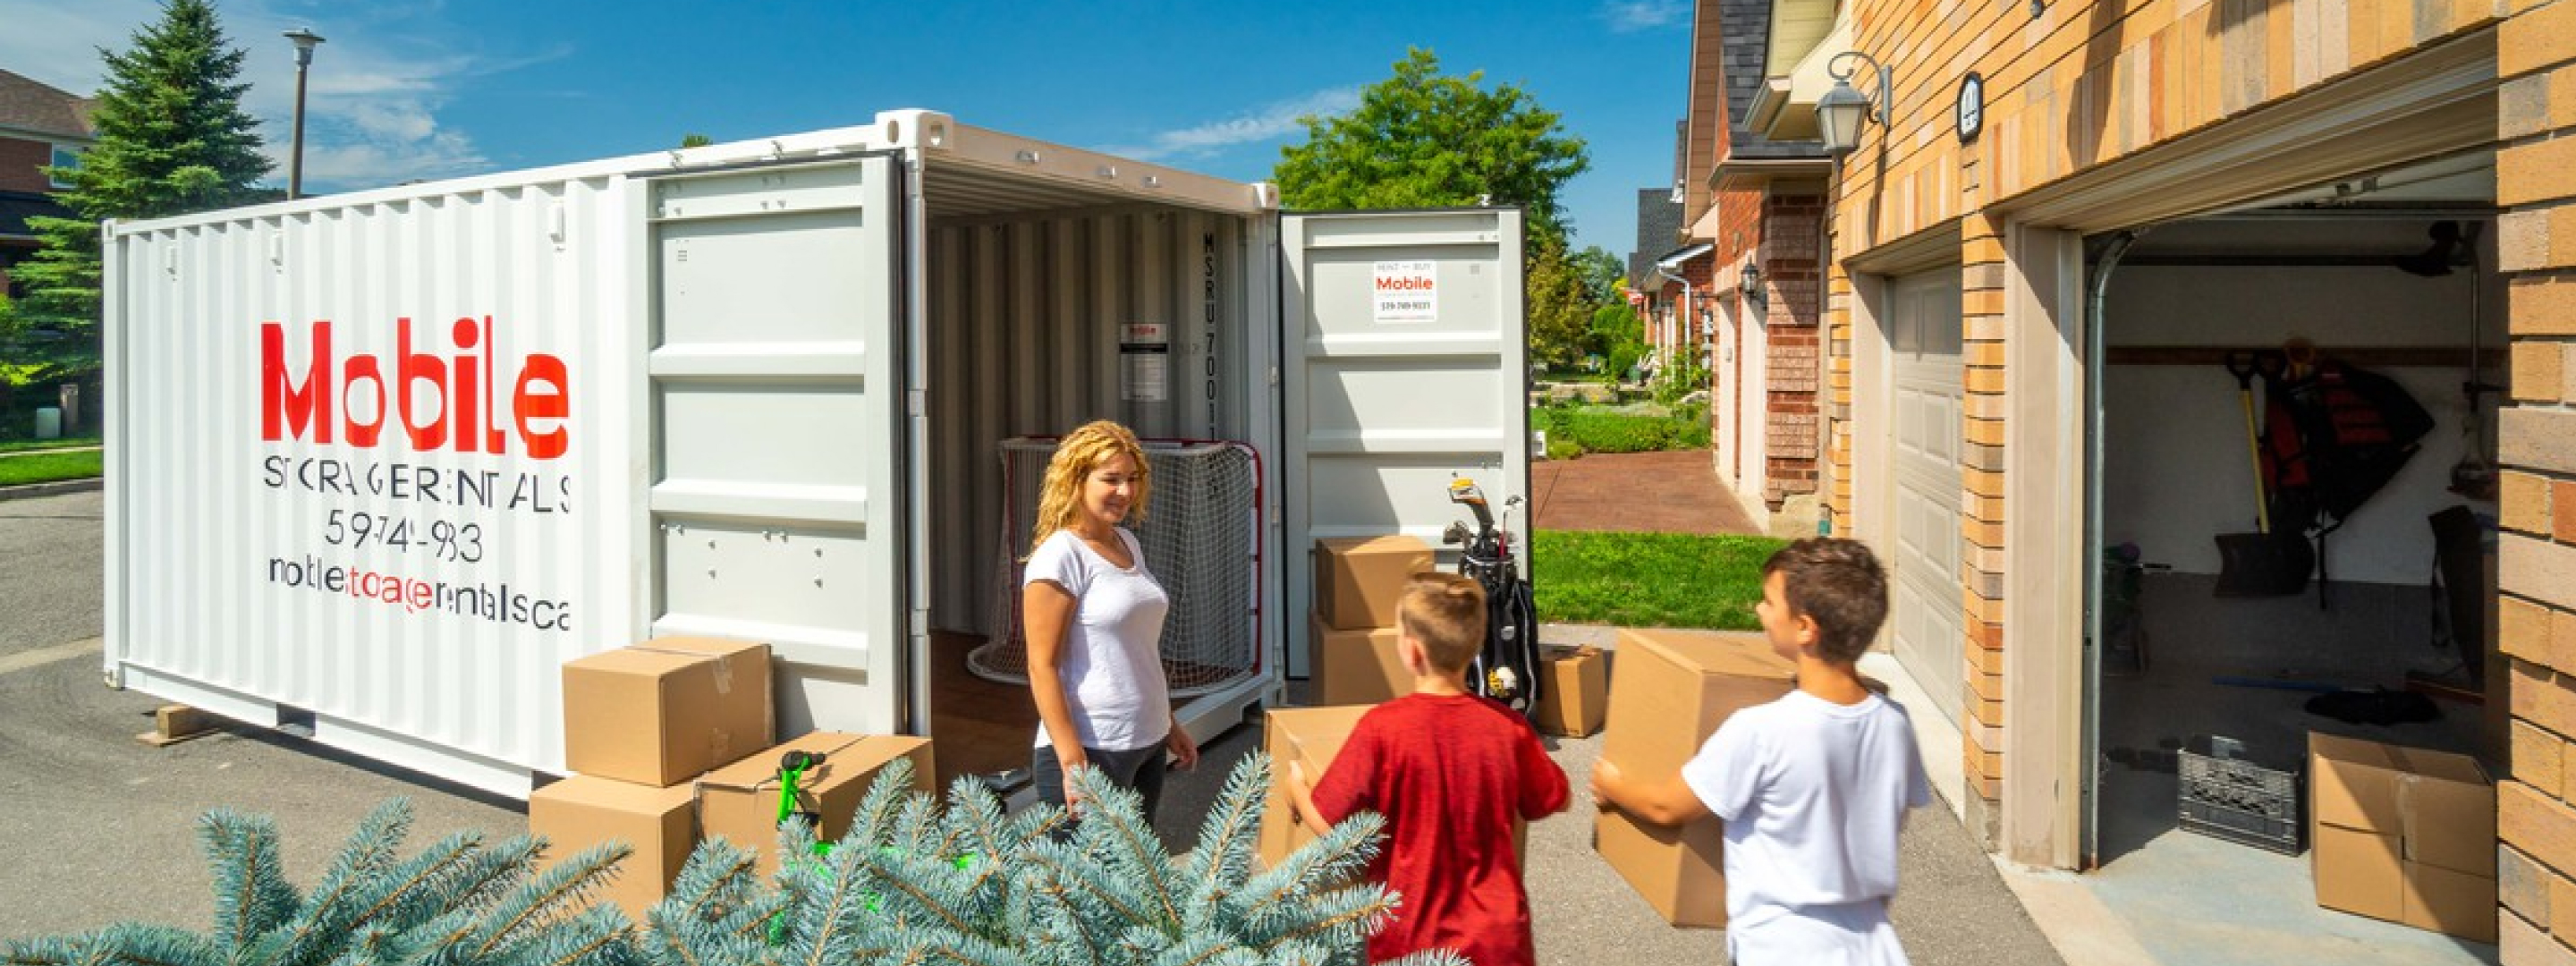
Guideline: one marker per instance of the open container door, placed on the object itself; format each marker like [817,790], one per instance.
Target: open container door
[777,510]
[1406,364]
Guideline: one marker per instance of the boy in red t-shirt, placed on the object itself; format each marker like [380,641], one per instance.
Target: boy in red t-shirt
[1451,772]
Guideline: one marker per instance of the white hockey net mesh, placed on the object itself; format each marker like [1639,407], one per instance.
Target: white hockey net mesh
[1201,537]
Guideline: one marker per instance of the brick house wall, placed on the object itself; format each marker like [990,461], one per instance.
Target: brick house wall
[1792,233]
[2536,185]
[22,162]
[2080,84]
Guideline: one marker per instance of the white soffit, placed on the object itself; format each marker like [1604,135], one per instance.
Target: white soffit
[1786,110]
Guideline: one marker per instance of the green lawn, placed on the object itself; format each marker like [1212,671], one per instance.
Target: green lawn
[1648,579]
[48,467]
[22,445]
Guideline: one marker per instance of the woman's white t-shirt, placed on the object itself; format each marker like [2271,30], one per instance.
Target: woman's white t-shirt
[1112,661]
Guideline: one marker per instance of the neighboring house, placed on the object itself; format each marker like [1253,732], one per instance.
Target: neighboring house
[1668,278]
[2073,213]
[39,127]
[1654,289]
[1755,185]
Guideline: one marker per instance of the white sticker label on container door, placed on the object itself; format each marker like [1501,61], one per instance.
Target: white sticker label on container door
[1405,292]
[1144,363]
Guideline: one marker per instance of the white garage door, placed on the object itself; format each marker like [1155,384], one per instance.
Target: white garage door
[1923,341]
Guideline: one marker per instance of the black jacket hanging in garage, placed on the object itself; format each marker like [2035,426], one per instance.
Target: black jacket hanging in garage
[2333,436]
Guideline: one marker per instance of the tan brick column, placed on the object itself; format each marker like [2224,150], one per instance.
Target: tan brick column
[1838,396]
[2536,184]
[1981,520]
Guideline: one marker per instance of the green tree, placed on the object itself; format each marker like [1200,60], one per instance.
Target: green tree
[172,139]
[695,140]
[1605,278]
[1619,336]
[1558,308]
[1423,140]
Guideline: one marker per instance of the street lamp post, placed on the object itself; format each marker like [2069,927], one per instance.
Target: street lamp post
[305,40]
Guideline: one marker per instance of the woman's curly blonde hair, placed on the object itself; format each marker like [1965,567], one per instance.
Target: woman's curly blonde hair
[1079,453]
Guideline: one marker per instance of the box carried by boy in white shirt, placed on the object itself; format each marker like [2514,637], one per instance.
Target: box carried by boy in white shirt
[1812,788]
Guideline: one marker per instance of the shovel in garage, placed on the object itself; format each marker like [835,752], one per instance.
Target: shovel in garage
[2265,563]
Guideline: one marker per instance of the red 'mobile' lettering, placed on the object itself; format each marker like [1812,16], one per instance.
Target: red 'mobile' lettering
[459,387]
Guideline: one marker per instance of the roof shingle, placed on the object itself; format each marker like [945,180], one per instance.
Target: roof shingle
[28,105]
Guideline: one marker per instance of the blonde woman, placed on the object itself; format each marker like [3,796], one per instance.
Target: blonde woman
[1093,619]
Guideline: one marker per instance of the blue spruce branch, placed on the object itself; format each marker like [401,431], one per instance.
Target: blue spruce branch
[251,894]
[550,897]
[1117,830]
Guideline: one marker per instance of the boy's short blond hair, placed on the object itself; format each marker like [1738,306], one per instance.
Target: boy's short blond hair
[1445,613]
[1839,584]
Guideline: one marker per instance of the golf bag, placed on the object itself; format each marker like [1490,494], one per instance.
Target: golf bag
[1506,668]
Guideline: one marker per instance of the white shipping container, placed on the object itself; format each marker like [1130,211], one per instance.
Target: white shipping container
[380,463]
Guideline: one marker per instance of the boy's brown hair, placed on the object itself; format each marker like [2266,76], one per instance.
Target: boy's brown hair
[1445,613]
[1838,584]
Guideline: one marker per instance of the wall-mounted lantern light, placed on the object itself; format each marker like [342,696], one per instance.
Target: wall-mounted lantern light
[1840,113]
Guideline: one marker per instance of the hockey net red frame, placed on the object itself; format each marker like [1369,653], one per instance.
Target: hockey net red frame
[1212,637]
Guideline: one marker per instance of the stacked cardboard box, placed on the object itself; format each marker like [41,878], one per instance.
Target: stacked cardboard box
[1574,694]
[1357,583]
[739,802]
[1671,691]
[640,725]
[2403,834]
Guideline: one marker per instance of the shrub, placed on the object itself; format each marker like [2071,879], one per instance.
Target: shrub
[1607,433]
[455,902]
[910,883]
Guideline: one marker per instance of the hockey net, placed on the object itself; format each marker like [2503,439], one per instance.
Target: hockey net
[1202,542]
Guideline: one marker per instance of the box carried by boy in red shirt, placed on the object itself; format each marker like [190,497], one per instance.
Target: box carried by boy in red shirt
[1454,774]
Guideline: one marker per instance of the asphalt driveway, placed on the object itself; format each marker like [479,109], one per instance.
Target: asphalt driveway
[101,827]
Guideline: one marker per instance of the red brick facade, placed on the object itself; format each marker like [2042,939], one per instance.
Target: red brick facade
[1791,276]
[22,164]
[1781,235]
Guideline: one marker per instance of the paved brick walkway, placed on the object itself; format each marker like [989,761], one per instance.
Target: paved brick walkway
[1670,492]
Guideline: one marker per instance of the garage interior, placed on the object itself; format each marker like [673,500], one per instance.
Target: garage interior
[2392,273]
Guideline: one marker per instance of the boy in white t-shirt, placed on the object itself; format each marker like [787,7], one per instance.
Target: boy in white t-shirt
[1813,788]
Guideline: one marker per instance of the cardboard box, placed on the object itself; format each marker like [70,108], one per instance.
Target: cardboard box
[1359,579]
[1576,699]
[2403,834]
[1312,736]
[1671,691]
[1308,735]
[667,710]
[739,802]
[2358,872]
[660,823]
[1356,667]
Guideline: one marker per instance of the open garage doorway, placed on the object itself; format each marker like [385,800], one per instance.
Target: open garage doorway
[2248,362]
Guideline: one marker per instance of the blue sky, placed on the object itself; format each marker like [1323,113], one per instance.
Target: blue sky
[451,87]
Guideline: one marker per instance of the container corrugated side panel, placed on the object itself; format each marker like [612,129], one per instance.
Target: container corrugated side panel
[229,539]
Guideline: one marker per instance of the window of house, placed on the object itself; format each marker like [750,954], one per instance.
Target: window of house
[65,157]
